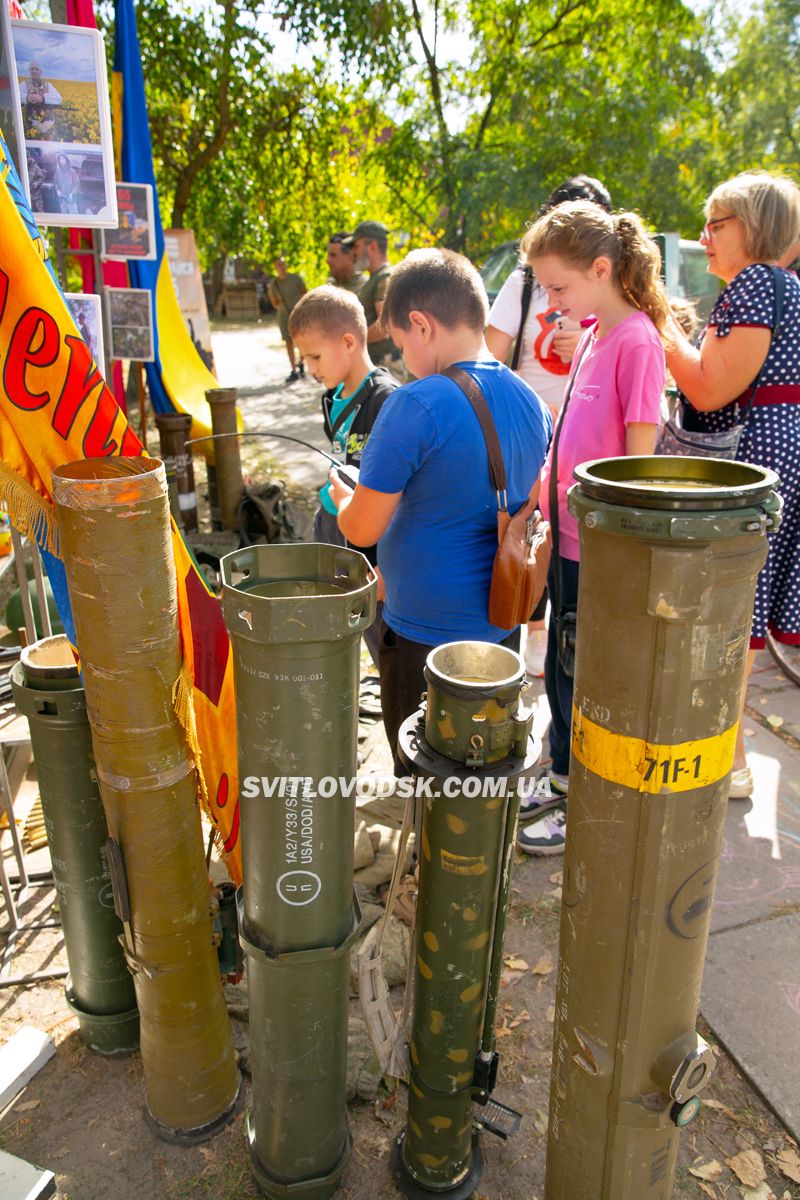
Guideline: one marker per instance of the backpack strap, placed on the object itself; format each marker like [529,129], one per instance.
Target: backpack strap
[527,292]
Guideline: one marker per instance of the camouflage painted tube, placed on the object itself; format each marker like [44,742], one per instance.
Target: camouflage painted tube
[100,990]
[670,551]
[472,747]
[113,520]
[295,614]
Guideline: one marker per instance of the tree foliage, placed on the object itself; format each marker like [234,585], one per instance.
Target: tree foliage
[759,92]
[451,120]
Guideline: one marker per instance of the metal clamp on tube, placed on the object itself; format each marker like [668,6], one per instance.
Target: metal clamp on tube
[474,742]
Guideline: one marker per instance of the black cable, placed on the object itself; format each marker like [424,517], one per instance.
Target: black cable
[214,437]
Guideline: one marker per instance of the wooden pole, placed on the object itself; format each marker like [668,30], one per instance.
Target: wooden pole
[142,403]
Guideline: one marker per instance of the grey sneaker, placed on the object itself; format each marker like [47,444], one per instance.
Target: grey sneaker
[546,836]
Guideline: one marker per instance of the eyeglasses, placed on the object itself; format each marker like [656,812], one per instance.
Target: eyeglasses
[710,227]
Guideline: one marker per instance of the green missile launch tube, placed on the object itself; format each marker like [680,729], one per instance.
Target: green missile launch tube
[670,551]
[113,518]
[295,614]
[227,458]
[472,748]
[99,988]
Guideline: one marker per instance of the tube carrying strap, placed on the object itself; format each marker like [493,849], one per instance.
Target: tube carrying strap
[389,1036]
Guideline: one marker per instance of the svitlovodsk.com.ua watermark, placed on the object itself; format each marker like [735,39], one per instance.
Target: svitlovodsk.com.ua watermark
[304,788]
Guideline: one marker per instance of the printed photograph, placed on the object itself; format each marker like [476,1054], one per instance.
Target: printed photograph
[58,74]
[88,316]
[134,236]
[66,124]
[130,323]
[65,182]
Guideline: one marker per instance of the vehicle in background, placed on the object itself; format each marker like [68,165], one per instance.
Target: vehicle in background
[497,268]
[683,270]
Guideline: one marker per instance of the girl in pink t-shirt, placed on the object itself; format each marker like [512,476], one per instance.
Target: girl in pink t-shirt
[592,262]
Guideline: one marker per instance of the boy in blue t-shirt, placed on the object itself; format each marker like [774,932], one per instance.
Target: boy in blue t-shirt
[424,492]
[330,330]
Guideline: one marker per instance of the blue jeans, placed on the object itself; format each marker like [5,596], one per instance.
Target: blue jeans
[558,685]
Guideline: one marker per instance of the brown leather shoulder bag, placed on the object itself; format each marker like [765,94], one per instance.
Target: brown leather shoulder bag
[524,541]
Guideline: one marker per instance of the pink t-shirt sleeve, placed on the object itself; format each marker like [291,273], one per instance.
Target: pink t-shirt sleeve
[641,374]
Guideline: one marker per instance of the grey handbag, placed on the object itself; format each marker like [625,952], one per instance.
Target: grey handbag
[673,439]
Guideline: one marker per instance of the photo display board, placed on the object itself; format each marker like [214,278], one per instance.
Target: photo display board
[130,324]
[135,235]
[66,124]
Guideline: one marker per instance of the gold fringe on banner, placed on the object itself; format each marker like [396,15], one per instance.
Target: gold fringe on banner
[32,516]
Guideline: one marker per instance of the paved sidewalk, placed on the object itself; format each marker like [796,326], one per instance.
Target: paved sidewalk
[751,986]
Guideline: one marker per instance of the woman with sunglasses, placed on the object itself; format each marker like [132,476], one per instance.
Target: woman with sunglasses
[752,221]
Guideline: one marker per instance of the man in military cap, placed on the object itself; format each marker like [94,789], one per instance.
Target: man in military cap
[342,265]
[370,242]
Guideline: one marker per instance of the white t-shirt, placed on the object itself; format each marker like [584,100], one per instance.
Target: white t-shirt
[538,365]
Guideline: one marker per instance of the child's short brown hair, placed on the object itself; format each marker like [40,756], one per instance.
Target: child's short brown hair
[440,283]
[330,310]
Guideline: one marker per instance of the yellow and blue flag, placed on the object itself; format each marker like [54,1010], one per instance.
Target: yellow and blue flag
[178,379]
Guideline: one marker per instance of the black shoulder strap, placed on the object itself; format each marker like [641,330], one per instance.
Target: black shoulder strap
[553,490]
[497,467]
[527,292]
[352,406]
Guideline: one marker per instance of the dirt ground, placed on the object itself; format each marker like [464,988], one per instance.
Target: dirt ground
[82,1115]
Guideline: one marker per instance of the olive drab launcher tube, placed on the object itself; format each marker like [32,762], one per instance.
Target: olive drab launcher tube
[295,614]
[99,988]
[227,458]
[471,747]
[670,552]
[113,518]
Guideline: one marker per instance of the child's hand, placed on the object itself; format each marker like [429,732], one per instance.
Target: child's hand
[565,343]
[340,491]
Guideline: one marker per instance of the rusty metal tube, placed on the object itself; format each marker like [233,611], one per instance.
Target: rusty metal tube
[173,430]
[115,537]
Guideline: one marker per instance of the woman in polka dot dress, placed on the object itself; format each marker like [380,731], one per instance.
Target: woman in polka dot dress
[751,221]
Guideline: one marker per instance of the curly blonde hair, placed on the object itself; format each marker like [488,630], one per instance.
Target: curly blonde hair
[580,232]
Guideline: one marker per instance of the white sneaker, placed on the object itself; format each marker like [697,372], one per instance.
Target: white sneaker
[741,784]
[546,836]
[535,651]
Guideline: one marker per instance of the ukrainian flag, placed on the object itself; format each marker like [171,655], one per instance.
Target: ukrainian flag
[178,379]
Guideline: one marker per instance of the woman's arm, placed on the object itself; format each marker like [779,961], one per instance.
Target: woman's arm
[499,343]
[721,369]
[640,438]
